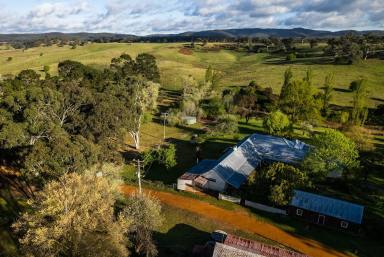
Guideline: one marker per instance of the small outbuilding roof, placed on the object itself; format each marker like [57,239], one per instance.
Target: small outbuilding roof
[238,162]
[328,206]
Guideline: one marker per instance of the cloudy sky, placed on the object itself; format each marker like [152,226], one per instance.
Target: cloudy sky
[143,17]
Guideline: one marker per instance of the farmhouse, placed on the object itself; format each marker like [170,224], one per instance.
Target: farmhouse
[326,211]
[237,163]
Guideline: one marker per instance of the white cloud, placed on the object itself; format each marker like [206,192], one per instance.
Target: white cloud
[155,16]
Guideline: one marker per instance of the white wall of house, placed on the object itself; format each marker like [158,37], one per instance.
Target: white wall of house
[215,182]
[182,183]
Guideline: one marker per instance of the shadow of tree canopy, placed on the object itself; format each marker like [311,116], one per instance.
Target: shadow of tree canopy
[179,240]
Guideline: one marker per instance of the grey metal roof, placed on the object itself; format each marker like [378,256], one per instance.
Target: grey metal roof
[237,163]
[203,166]
[328,206]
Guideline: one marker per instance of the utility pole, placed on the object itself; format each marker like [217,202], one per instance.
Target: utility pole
[165,115]
[139,165]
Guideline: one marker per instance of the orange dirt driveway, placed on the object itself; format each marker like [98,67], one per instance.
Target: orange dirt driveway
[243,221]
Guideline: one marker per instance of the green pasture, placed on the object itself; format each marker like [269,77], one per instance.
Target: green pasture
[237,68]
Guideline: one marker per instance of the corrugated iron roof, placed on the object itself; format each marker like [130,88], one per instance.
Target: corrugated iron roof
[237,163]
[203,166]
[222,250]
[259,248]
[328,206]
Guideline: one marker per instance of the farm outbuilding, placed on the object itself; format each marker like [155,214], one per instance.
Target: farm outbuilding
[188,120]
[327,211]
[237,163]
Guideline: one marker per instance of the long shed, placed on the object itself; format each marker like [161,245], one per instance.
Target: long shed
[326,211]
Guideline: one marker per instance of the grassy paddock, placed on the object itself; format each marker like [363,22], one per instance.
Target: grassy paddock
[238,68]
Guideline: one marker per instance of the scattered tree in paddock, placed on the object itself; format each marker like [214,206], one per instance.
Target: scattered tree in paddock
[326,95]
[359,113]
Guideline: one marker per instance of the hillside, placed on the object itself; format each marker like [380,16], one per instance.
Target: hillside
[218,34]
[237,68]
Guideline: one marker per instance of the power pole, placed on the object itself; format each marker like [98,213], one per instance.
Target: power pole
[165,115]
[139,165]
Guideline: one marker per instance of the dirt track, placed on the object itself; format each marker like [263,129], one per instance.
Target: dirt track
[243,221]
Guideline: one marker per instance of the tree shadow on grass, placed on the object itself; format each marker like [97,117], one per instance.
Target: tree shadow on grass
[302,61]
[179,240]
[187,157]
[9,209]
[342,90]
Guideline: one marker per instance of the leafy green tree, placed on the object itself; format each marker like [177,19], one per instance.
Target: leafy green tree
[359,111]
[291,57]
[227,124]
[145,212]
[212,78]
[143,98]
[213,107]
[326,95]
[298,99]
[284,179]
[124,65]
[276,183]
[331,151]
[147,67]
[163,155]
[288,75]
[277,123]
[288,43]
[28,77]
[313,43]
[246,101]
[74,216]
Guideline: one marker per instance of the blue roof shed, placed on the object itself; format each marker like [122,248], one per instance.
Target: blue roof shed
[328,206]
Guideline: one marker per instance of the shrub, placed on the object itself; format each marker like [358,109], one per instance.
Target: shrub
[174,118]
[189,108]
[291,57]
[163,155]
[128,174]
[213,107]
[147,117]
[226,124]
[9,59]
[277,123]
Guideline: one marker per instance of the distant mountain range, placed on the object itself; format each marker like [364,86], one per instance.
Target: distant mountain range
[257,32]
[207,34]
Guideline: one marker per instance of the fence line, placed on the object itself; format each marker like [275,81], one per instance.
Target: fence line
[229,198]
[263,207]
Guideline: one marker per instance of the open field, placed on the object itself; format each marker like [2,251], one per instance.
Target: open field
[238,68]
